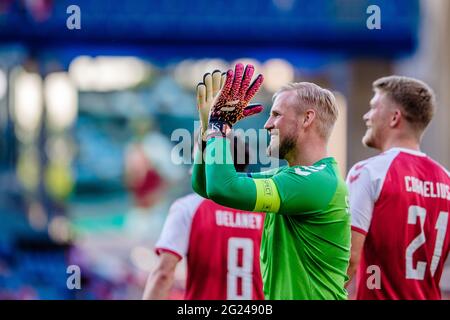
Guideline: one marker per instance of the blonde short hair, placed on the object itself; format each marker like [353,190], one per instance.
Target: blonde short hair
[415,97]
[321,100]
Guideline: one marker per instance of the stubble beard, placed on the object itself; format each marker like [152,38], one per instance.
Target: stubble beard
[284,147]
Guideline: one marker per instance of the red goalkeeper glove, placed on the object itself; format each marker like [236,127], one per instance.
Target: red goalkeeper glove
[231,105]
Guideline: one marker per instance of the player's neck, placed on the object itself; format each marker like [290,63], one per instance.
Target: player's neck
[406,143]
[307,155]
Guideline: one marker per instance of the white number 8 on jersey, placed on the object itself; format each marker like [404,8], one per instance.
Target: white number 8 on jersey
[236,271]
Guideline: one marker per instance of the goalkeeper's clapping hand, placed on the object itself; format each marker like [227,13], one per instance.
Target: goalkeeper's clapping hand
[231,104]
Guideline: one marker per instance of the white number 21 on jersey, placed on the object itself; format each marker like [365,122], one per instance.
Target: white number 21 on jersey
[235,271]
[418,273]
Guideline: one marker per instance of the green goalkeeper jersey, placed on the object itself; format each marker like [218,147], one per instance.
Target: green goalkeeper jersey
[305,251]
[305,248]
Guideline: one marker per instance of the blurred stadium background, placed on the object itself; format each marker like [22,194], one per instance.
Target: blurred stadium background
[86,116]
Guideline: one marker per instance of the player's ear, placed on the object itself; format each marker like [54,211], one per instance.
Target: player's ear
[308,118]
[395,118]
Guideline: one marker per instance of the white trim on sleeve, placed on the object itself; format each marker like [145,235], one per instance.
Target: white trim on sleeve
[365,181]
[176,231]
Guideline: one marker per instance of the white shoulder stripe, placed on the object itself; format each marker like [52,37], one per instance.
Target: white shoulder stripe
[301,173]
[189,204]
[377,167]
[309,169]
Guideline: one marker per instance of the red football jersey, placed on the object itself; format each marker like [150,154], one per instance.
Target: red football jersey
[400,200]
[221,246]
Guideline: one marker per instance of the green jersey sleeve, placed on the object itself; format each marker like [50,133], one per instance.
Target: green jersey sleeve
[198,178]
[226,187]
[289,190]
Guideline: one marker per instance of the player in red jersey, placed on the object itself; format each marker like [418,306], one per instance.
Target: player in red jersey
[221,246]
[400,199]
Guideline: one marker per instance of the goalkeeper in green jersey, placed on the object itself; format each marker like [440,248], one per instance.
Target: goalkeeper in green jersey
[305,246]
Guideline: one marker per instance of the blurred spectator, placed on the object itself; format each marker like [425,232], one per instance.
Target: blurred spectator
[148,175]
